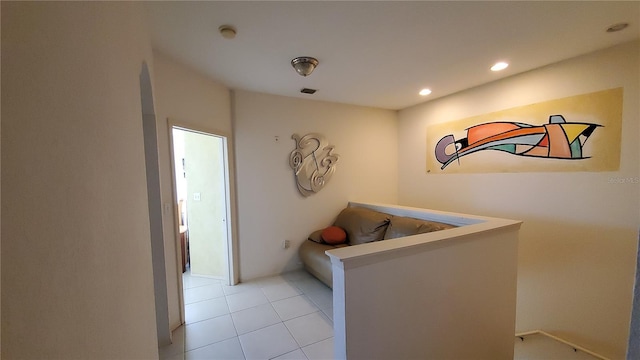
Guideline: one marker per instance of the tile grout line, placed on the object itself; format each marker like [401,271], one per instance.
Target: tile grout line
[235,328]
[316,305]
[199,301]
[217,342]
[294,339]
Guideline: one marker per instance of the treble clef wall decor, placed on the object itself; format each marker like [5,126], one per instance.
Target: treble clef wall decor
[312,162]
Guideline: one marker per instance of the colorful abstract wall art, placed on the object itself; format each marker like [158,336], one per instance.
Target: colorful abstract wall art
[558,139]
[578,133]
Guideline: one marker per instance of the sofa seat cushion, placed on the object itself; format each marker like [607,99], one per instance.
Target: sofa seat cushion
[400,226]
[316,261]
[362,225]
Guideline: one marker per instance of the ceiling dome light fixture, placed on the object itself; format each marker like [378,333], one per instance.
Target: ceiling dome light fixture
[499,66]
[304,65]
[617,27]
[425,92]
[227,31]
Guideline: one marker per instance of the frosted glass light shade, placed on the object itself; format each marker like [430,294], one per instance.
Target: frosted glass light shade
[304,65]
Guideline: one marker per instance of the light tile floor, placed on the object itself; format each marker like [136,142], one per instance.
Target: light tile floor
[281,317]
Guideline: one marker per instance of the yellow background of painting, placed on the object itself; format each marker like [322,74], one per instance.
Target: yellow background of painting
[603,146]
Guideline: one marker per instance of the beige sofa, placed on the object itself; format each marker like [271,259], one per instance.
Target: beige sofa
[361,226]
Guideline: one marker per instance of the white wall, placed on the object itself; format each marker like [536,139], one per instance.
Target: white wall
[433,299]
[420,288]
[578,240]
[76,266]
[188,97]
[270,209]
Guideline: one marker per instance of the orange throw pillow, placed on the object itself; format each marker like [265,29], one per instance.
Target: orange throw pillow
[334,235]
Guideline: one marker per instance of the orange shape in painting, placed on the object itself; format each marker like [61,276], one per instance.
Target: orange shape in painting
[541,151]
[483,131]
[558,144]
[544,141]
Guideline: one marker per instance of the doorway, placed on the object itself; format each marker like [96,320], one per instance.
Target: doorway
[201,190]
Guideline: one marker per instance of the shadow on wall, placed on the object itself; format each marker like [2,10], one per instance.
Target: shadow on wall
[572,242]
[579,276]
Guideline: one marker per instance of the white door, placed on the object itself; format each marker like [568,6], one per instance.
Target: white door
[200,161]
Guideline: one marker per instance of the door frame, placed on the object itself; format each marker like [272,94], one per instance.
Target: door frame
[230,199]
[154,201]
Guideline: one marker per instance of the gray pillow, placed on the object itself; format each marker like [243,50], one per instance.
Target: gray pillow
[400,226]
[362,225]
[316,236]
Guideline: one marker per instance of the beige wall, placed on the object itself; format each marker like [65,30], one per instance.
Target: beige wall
[270,209]
[578,240]
[189,97]
[76,267]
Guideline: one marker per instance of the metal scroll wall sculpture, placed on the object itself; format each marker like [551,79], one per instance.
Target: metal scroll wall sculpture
[312,162]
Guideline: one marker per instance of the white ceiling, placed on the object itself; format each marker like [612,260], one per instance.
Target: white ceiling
[377,53]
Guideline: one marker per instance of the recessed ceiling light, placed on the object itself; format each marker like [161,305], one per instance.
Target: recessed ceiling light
[425,92]
[617,27]
[499,66]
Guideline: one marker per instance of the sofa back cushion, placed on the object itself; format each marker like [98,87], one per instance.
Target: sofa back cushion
[400,226]
[362,225]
